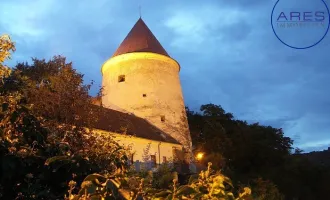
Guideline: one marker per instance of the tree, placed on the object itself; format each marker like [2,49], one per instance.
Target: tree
[6,48]
[256,155]
[45,110]
[244,151]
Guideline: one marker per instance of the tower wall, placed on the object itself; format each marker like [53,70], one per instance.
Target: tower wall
[148,85]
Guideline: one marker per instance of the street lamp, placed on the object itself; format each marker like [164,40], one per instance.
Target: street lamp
[199,156]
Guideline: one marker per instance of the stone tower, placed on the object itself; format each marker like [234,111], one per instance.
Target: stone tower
[141,78]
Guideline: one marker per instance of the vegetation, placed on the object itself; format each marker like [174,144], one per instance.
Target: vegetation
[48,151]
[44,113]
[256,155]
[208,185]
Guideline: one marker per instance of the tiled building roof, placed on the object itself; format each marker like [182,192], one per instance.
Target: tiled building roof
[140,39]
[125,123]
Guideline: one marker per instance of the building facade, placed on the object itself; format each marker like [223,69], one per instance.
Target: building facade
[142,80]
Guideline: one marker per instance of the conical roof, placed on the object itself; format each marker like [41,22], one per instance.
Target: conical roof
[140,39]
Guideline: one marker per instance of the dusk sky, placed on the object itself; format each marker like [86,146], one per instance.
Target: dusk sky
[227,50]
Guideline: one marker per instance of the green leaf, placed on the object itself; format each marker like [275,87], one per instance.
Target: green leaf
[88,186]
[94,177]
[198,196]
[55,158]
[169,197]
[151,191]
[185,190]
[162,194]
[112,186]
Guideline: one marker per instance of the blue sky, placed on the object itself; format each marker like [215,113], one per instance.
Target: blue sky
[228,53]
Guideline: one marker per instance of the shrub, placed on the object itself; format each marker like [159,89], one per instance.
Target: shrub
[207,185]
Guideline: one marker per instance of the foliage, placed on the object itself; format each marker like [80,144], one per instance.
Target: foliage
[247,152]
[265,190]
[208,185]
[163,177]
[45,130]
[6,47]
[217,132]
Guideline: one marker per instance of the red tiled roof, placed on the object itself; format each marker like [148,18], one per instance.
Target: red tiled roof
[140,39]
[124,123]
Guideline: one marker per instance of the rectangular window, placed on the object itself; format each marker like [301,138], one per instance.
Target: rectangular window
[164,159]
[162,118]
[121,78]
[153,160]
[175,153]
[144,95]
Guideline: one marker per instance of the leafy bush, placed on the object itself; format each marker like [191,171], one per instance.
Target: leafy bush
[265,190]
[207,185]
[43,137]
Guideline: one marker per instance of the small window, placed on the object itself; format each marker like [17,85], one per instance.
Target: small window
[153,160]
[144,95]
[175,153]
[162,118]
[164,159]
[121,78]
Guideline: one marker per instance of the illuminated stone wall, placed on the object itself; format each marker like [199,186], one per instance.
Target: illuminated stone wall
[142,148]
[148,85]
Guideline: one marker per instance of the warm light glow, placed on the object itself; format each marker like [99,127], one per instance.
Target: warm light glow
[115,61]
[200,156]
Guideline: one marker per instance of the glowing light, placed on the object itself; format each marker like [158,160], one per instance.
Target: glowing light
[200,156]
[114,62]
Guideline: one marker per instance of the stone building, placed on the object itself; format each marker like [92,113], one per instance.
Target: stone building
[142,91]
